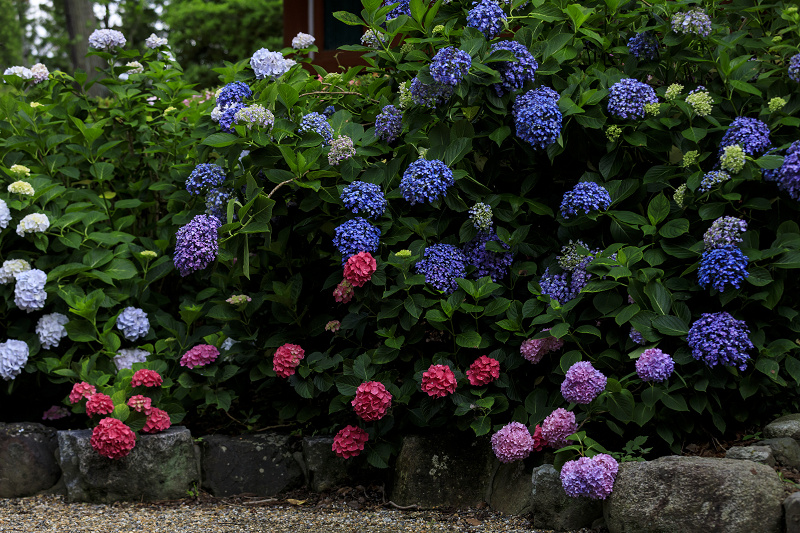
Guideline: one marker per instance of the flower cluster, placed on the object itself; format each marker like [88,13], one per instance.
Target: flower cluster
[317,123]
[403,8]
[372,401]
[20,171]
[487,17]
[724,231]
[21,187]
[239,299]
[442,264]
[359,268]
[204,177]
[787,176]
[33,223]
[50,329]
[254,115]
[106,39]
[654,365]
[636,336]
[512,443]
[794,68]
[450,65]
[265,63]
[146,378]
[424,181]
[13,356]
[483,371]
[582,383]
[514,73]
[694,22]
[643,46]
[592,477]
[154,41]
[23,72]
[701,101]
[99,404]
[227,117]
[628,97]
[349,441]
[720,339]
[585,197]
[81,390]
[722,266]
[133,323]
[732,159]
[217,202]
[333,326]
[343,292]
[373,38]
[389,124]
[750,133]
[486,262]
[286,359]
[613,133]
[56,412]
[713,178]
[673,91]
[557,286]
[537,118]
[200,355]
[559,425]
[29,293]
[365,198]
[481,216]
[341,150]
[196,245]
[680,195]
[302,41]
[157,421]
[12,268]
[430,95]
[356,235]
[776,104]
[438,381]
[534,349]
[126,357]
[112,438]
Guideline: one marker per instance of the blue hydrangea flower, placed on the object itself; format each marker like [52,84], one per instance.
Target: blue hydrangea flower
[486,262]
[537,117]
[794,68]
[442,264]
[643,45]
[450,65]
[713,178]
[720,339]
[425,181]
[487,17]
[636,336]
[725,231]
[749,133]
[787,176]
[204,177]
[628,97]
[217,202]
[316,122]
[722,266]
[556,286]
[585,197]
[403,8]
[133,323]
[365,198]
[233,93]
[29,293]
[389,124]
[266,63]
[228,117]
[329,111]
[695,22]
[356,235]
[514,73]
[654,365]
[196,245]
[430,95]
[13,356]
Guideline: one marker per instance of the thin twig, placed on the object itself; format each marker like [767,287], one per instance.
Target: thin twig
[259,501]
[281,184]
[337,92]
[402,508]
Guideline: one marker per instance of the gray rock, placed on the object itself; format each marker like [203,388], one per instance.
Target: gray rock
[27,459]
[256,464]
[160,467]
[512,488]
[791,507]
[757,454]
[551,508]
[325,468]
[443,471]
[785,426]
[691,494]
[785,450]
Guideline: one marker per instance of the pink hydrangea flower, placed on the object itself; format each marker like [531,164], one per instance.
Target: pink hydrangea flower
[141,404]
[534,349]
[54,413]
[592,477]
[582,383]
[147,378]
[333,326]
[99,404]
[349,442]
[200,355]
[559,425]
[483,371]
[372,401]
[359,268]
[157,421]
[438,381]
[112,438]
[343,292]
[512,443]
[286,359]
[81,390]
[538,440]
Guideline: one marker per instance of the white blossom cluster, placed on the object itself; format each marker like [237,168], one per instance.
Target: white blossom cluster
[51,330]
[154,41]
[13,356]
[11,269]
[29,294]
[302,40]
[33,223]
[127,356]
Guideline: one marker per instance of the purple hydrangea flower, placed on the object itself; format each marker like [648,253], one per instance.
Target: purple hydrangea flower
[426,180]
[794,68]
[389,124]
[537,117]
[722,266]
[233,93]
[534,349]
[106,39]
[317,123]
[713,178]
[720,339]
[29,293]
[133,323]
[787,175]
[559,425]
[486,262]
[450,65]
[442,264]
[356,235]
[725,231]
[487,17]
[591,477]
[585,197]
[205,177]
[514,73]
[512,443]
[628,97]
[582,383]
[228,117]
[654,365]
[329,111]
[196,246]
[643,45]
[342,149]
[750,133]
[696,22]
[430,95]
[636,336]
[217,202]
[403,8]
[366,198]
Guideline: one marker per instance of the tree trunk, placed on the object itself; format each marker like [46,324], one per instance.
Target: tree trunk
[80,24]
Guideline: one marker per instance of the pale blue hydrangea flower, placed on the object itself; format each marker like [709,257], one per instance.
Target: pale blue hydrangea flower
[133,323]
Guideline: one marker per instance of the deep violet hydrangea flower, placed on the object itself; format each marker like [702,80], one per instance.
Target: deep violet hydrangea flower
[720,339]
[487,17]
[196,245]
[372,401]
[486,262]
[450,65]
[695,22]
[628,97]
[654,365]
[592,477]
[722,266]
[794,68]
[483,371]
[725,231]
[514,73]
[537,118]
[559,425]
[205,177]
[356,235]
[403,7]
[556,286]
[787,176]
[364,198]
[317,123]
[749,133]
[112,438]
[13,356]
[349,442]
[643,45]
[233,93]
[512,443]
[442,264]
[430,95]
[582,383]
[425,181]
[389,124]
[713,178]
[636,336]
[585,197]
[200,355]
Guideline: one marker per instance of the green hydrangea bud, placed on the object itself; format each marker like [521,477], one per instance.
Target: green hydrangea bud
[701,103]
[406,100]
[332,77]
[422,152]
[777,39]
[776,104]
[438,29]
[651,109]
[150,254]
[613,133]
[403,253]
[680,195]
[570,257]
[481,215]
[732,158]
[21,171]
[406,48]
[673,91]
[690,158]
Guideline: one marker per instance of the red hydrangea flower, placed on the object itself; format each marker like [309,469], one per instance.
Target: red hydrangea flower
[483,371]
[148,378]
[157,421]
[538,439]
[140,403]
[99,404]
[372,401]
[359,268]
[81,390]
[200,355]
[286,359]
[438,381]
[112,438]
[349,442]
[343,292]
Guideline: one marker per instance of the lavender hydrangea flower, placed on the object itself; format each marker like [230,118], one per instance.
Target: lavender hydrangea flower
[217,202]
[204,177]
[636,336]
[720,339]
[712,179]
[585,197]
[265,63]
[341,150]
[794,68]
[694,22]
[154,41]
[425,181]
[430,95]
[512,443]
[255,115]
[442,264]
[643,46]
[51,330]
[356,235]
[106,39]
[725,231]
[514,73]
[537,117]
[365,198]
[40,72]
[196,245]
[29,293]
[487,17]
[488,263]
[787,176]
[590,477]
[233,93]
[228,117]
[722,266]
[582,383]
[389,124]
[13,356]
[535,349]
[654,365]
[5,214]
[403,8]
[750,133]
[133,323]
[559,425]
[450,65]
[317,123]
[628,97]
[126,357]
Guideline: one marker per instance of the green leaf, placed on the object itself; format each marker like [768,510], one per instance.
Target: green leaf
[674,228]
[671,325]
[468,339]
[658,209]
[348,18]
[481,426]
[676,403]
[218,140]
[620,405]
[659,297]
[121,269]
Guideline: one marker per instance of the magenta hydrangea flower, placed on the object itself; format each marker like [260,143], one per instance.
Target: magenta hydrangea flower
[592,477]
[200,355]
[559,425]
[512,443]
[583,383]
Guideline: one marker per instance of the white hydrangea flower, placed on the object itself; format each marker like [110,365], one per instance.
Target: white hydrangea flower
[126,357]
[29,294]
[13,356]
[302,40]
[40,72]
[23,72]
[21,171]
[228,343]
[5,214]
[265,63]
[137,67]
[106,39]
[154,41]
[51,330]
[33,223]
[21,187]
[216,113]
[12,268]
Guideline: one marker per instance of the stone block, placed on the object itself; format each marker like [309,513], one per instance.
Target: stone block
[324,468]
[551,508]
[27,459]
[512,488]
[791,508]
[785,426]
[757,454]
[785,450]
